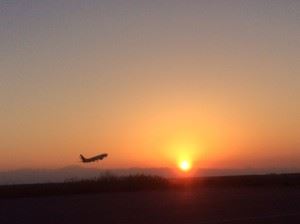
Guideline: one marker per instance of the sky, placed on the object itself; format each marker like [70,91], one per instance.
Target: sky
[152,83]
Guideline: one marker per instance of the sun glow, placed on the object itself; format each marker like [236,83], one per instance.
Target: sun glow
[185,165]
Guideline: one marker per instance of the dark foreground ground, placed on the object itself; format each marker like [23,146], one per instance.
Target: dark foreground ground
[202,205]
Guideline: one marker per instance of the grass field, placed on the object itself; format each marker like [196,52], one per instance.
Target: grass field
[134,183]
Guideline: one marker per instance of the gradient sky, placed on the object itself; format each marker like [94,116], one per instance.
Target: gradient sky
[150,82]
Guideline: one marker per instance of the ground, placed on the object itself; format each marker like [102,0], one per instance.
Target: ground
[204,205]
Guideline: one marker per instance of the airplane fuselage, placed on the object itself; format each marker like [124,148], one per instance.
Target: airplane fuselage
[93,159]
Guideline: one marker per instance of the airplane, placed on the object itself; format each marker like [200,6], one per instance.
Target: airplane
[93,159]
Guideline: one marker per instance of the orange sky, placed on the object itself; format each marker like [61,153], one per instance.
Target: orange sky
[150,83]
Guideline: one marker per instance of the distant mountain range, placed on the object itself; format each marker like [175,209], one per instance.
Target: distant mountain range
[24,176]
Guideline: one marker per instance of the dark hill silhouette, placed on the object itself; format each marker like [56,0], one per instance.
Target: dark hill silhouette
[31,176]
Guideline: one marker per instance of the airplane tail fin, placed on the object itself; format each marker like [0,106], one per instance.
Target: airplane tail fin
[82,158]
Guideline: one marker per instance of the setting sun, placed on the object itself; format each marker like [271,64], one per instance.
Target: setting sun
[185,166]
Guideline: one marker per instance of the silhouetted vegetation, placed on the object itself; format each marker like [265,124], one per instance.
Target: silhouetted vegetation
[133,183]
[106,183]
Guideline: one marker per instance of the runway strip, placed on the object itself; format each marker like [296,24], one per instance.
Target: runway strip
[256,218]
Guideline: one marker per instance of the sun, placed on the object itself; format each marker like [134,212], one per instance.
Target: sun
[185,165]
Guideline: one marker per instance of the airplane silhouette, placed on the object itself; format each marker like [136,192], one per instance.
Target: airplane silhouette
[93,159]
